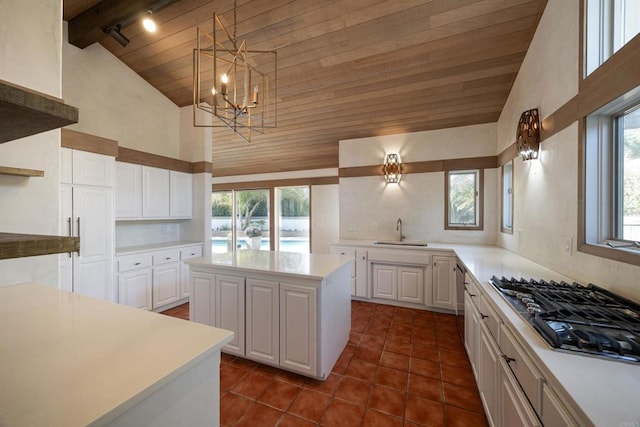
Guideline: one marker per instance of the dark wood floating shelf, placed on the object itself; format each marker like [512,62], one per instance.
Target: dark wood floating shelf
[24,245]
[5,170]
[24,112]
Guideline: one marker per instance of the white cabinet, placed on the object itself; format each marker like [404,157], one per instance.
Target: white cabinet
[86,211]
[444,282]
[359,286]
[194,251]
[298,325]
[515,410]
[134,288]
[144,192]
[155,192]
[385,281]
[229,310]
[411,284]
[218,300]
[168,277]
[401,283]
[263,320]
[128,190]
[512,389]
[488,355]
[471,327]
[180,195]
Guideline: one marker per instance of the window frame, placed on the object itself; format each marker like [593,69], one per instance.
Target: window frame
[479,204]
[599,182]
[608,16]
[503,228]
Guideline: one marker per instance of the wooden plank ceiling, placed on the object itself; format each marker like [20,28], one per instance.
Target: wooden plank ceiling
[346,68]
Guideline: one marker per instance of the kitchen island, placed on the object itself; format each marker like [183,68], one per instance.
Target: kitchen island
[288,310]
[70,360]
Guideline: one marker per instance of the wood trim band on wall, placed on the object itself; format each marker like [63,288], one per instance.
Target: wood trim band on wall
[129,155]
[202,167]
[488,162]
[86,142]
[507,155]
[254,185]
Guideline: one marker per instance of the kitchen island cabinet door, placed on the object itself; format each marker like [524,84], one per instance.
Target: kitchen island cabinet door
[202,298]
[298,326]
[263,318]
[230,311]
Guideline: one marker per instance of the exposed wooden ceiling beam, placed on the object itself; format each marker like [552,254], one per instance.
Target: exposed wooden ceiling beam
[89,27]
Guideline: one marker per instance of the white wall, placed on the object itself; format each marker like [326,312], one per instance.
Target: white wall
[325,217]
[118,104]
[546,190]
[30,52]
[369,209]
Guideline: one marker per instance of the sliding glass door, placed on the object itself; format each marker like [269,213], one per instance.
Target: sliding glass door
[292,212]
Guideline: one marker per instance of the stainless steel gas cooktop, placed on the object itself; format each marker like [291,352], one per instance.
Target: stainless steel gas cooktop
[584,319]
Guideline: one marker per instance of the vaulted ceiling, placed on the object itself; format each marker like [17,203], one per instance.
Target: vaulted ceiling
[346,68]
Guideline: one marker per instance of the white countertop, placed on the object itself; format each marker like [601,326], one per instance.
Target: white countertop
[69,360]
[605,391]
[130,250]
[306,266]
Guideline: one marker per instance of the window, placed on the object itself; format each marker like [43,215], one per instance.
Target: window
[627,176]
[610,25]
[463,205]
[507,198]
[612,180]
[293,219]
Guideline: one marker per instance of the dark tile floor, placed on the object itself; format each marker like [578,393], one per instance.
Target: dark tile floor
[402,367]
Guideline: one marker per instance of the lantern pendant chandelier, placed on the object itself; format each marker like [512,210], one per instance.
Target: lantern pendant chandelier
[237,86]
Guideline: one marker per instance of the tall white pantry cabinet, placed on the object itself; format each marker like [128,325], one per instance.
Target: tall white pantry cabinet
[86,211]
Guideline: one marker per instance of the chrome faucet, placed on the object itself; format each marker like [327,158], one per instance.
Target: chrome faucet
[399,228]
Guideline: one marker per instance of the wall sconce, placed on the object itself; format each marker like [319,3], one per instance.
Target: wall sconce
[528,135]
[392,169]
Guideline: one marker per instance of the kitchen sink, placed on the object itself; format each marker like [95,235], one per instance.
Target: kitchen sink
[401,243]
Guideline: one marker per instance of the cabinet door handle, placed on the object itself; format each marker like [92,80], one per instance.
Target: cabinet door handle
[168,258]
[78,235]
[193,253]
[363,258]
[137,263]
[70,231]
[508,359]
[483,316]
